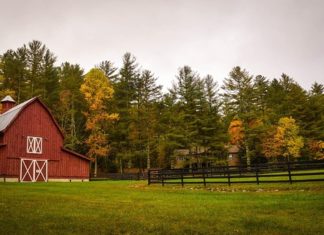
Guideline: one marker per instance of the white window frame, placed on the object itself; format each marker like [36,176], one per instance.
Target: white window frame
[34,145]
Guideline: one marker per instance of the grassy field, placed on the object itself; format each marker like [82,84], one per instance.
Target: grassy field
[132,207]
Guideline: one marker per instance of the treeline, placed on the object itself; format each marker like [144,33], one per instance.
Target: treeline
[267,119]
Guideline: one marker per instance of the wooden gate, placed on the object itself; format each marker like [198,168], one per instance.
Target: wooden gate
[33,170]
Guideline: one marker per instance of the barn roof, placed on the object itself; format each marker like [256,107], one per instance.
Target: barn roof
[7,117]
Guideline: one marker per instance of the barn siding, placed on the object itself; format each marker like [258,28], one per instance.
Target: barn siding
[35,121]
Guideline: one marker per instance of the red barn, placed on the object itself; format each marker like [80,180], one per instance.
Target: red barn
[31,146]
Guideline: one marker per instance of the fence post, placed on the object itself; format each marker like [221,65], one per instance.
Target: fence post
[257,173]
[228,176]
[204,177]
[289,172]
[162,178]
[182,178]
[149,176]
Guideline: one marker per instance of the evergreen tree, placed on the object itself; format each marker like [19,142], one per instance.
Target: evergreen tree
[109,70]
[144,118]
[239,98]
[30,71]
[124,98]
[14,72]
[69,112]
[188,90]
[286,98]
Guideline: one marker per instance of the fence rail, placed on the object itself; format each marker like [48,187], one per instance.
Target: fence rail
[260,173]
[119,176]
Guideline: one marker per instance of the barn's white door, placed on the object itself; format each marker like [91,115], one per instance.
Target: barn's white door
[33,170]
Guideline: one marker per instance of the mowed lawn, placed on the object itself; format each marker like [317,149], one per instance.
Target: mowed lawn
[132,207]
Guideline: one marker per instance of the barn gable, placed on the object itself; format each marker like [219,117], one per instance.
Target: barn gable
[7,118]
[31,146]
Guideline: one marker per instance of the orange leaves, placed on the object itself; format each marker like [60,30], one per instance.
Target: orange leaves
[98,120]
[98,144]
[270,145]
[236,132]
[317,147]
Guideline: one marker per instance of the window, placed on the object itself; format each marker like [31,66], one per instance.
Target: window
[34,144]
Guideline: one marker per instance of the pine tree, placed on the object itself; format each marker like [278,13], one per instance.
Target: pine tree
[14,72]
[148,94]
[124,98]
[109,70]
[30,71]
[69,112]
[239,98]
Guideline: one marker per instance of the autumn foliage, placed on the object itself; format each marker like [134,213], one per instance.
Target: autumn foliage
[236,132]
[284,141]
[97,90]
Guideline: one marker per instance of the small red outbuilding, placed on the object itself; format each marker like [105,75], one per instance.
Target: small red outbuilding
[31,146]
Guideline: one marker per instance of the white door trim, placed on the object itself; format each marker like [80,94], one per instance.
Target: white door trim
[35,169]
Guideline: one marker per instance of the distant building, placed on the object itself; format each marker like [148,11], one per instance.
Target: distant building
[233,158]
[31,146]
[196,158]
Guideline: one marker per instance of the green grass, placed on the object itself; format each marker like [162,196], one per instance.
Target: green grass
[125,207]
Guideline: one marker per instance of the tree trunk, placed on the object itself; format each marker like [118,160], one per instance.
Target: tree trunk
[121,166]
[248,157]
[96,167]
[73,128]
[148,164]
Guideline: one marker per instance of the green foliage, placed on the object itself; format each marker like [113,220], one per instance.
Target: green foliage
[30,71]
[72,105]
[152,125]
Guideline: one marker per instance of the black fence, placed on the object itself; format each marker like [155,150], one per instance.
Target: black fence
[119,176]
[260,173]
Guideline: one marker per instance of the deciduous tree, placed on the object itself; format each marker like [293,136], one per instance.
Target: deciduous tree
[96,89]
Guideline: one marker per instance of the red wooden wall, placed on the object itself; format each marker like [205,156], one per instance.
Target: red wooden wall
[36,121]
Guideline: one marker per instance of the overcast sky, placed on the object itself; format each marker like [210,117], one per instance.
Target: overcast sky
[264,37]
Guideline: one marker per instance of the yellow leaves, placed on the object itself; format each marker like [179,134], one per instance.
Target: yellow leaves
[97,89]
[285,141]
[287,136]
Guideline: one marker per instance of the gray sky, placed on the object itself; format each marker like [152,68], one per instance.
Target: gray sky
[264,37]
